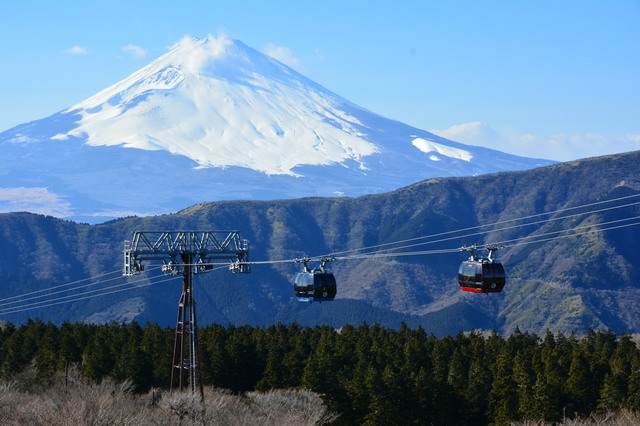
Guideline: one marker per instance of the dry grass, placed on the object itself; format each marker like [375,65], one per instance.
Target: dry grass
[619,418]
[109,403]
[281,407]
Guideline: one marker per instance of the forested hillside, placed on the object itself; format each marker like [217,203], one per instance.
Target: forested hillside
[367,374]
[560,277]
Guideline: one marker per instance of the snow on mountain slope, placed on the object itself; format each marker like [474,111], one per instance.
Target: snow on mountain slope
[207,100]
[215,119]
[428,146]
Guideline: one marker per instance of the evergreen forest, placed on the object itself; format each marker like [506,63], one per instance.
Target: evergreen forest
[366,374]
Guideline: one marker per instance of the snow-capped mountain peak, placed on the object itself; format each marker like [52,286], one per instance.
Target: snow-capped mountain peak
[221,103]
[215,119]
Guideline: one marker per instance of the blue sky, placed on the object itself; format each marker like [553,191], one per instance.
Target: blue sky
[553,79]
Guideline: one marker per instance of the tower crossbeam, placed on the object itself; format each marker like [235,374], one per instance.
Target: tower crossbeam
[188,253]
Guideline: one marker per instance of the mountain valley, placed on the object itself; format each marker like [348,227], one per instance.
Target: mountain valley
[565,270]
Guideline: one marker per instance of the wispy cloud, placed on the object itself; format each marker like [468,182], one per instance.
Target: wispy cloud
[282,54]
[35,200]
[122,213]
[134,51]
[199,52]
[559,147]
[77,50]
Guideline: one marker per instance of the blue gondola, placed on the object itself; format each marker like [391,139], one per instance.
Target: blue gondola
[481,275]
[317,285]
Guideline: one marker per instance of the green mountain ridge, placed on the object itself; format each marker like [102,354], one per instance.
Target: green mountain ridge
[561,284]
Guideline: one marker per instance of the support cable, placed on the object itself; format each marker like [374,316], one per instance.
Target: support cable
[380,253]
[492,230]
[55,302]
[62,285]
[581,231]
[506,221]
[74,297]
[77,299]
[61,291]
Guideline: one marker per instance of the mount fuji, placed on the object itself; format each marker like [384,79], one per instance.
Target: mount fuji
[214,119]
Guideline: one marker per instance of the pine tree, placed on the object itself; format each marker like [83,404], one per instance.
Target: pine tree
[446,402]
[555,362]
[13,356]
[621,363]
[503,399]
[246,356]
[579,386]
[274,375]
[98,361]
[478,389]
[216,369]
[611,394]
[46,357]
[381,408]
[158,345]
[320,371]
[633,395]
[5,333]
[545,404]
[69,351]
[132,362]
[458,373]
[423,394]
[525,379]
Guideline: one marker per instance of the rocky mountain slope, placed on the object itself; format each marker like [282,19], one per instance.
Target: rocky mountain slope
[567,280]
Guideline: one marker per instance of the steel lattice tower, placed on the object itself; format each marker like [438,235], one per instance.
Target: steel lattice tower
[188,253]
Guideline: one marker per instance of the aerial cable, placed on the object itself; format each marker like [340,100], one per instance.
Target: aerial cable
[504,243]
[597,227]
[581,230]
[102,292]
[573,235]
[384,252]
[258,262]
[83,293]
[389,253]
[506,221]
[484,232]
[394,254]
[54,303]
[74,298]
[61,285]
[381,252]
[266,262]
[21,299]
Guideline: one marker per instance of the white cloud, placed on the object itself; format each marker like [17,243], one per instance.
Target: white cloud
[34,200]
[282,54]
[108,214]
[559,147]
[199,52]
[77,50]
[134,51]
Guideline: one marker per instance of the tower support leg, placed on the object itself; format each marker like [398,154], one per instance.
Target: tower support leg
[186,368]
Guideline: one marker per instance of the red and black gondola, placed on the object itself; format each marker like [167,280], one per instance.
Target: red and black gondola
[481,275]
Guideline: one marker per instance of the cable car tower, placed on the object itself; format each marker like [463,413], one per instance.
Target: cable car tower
[187,253]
